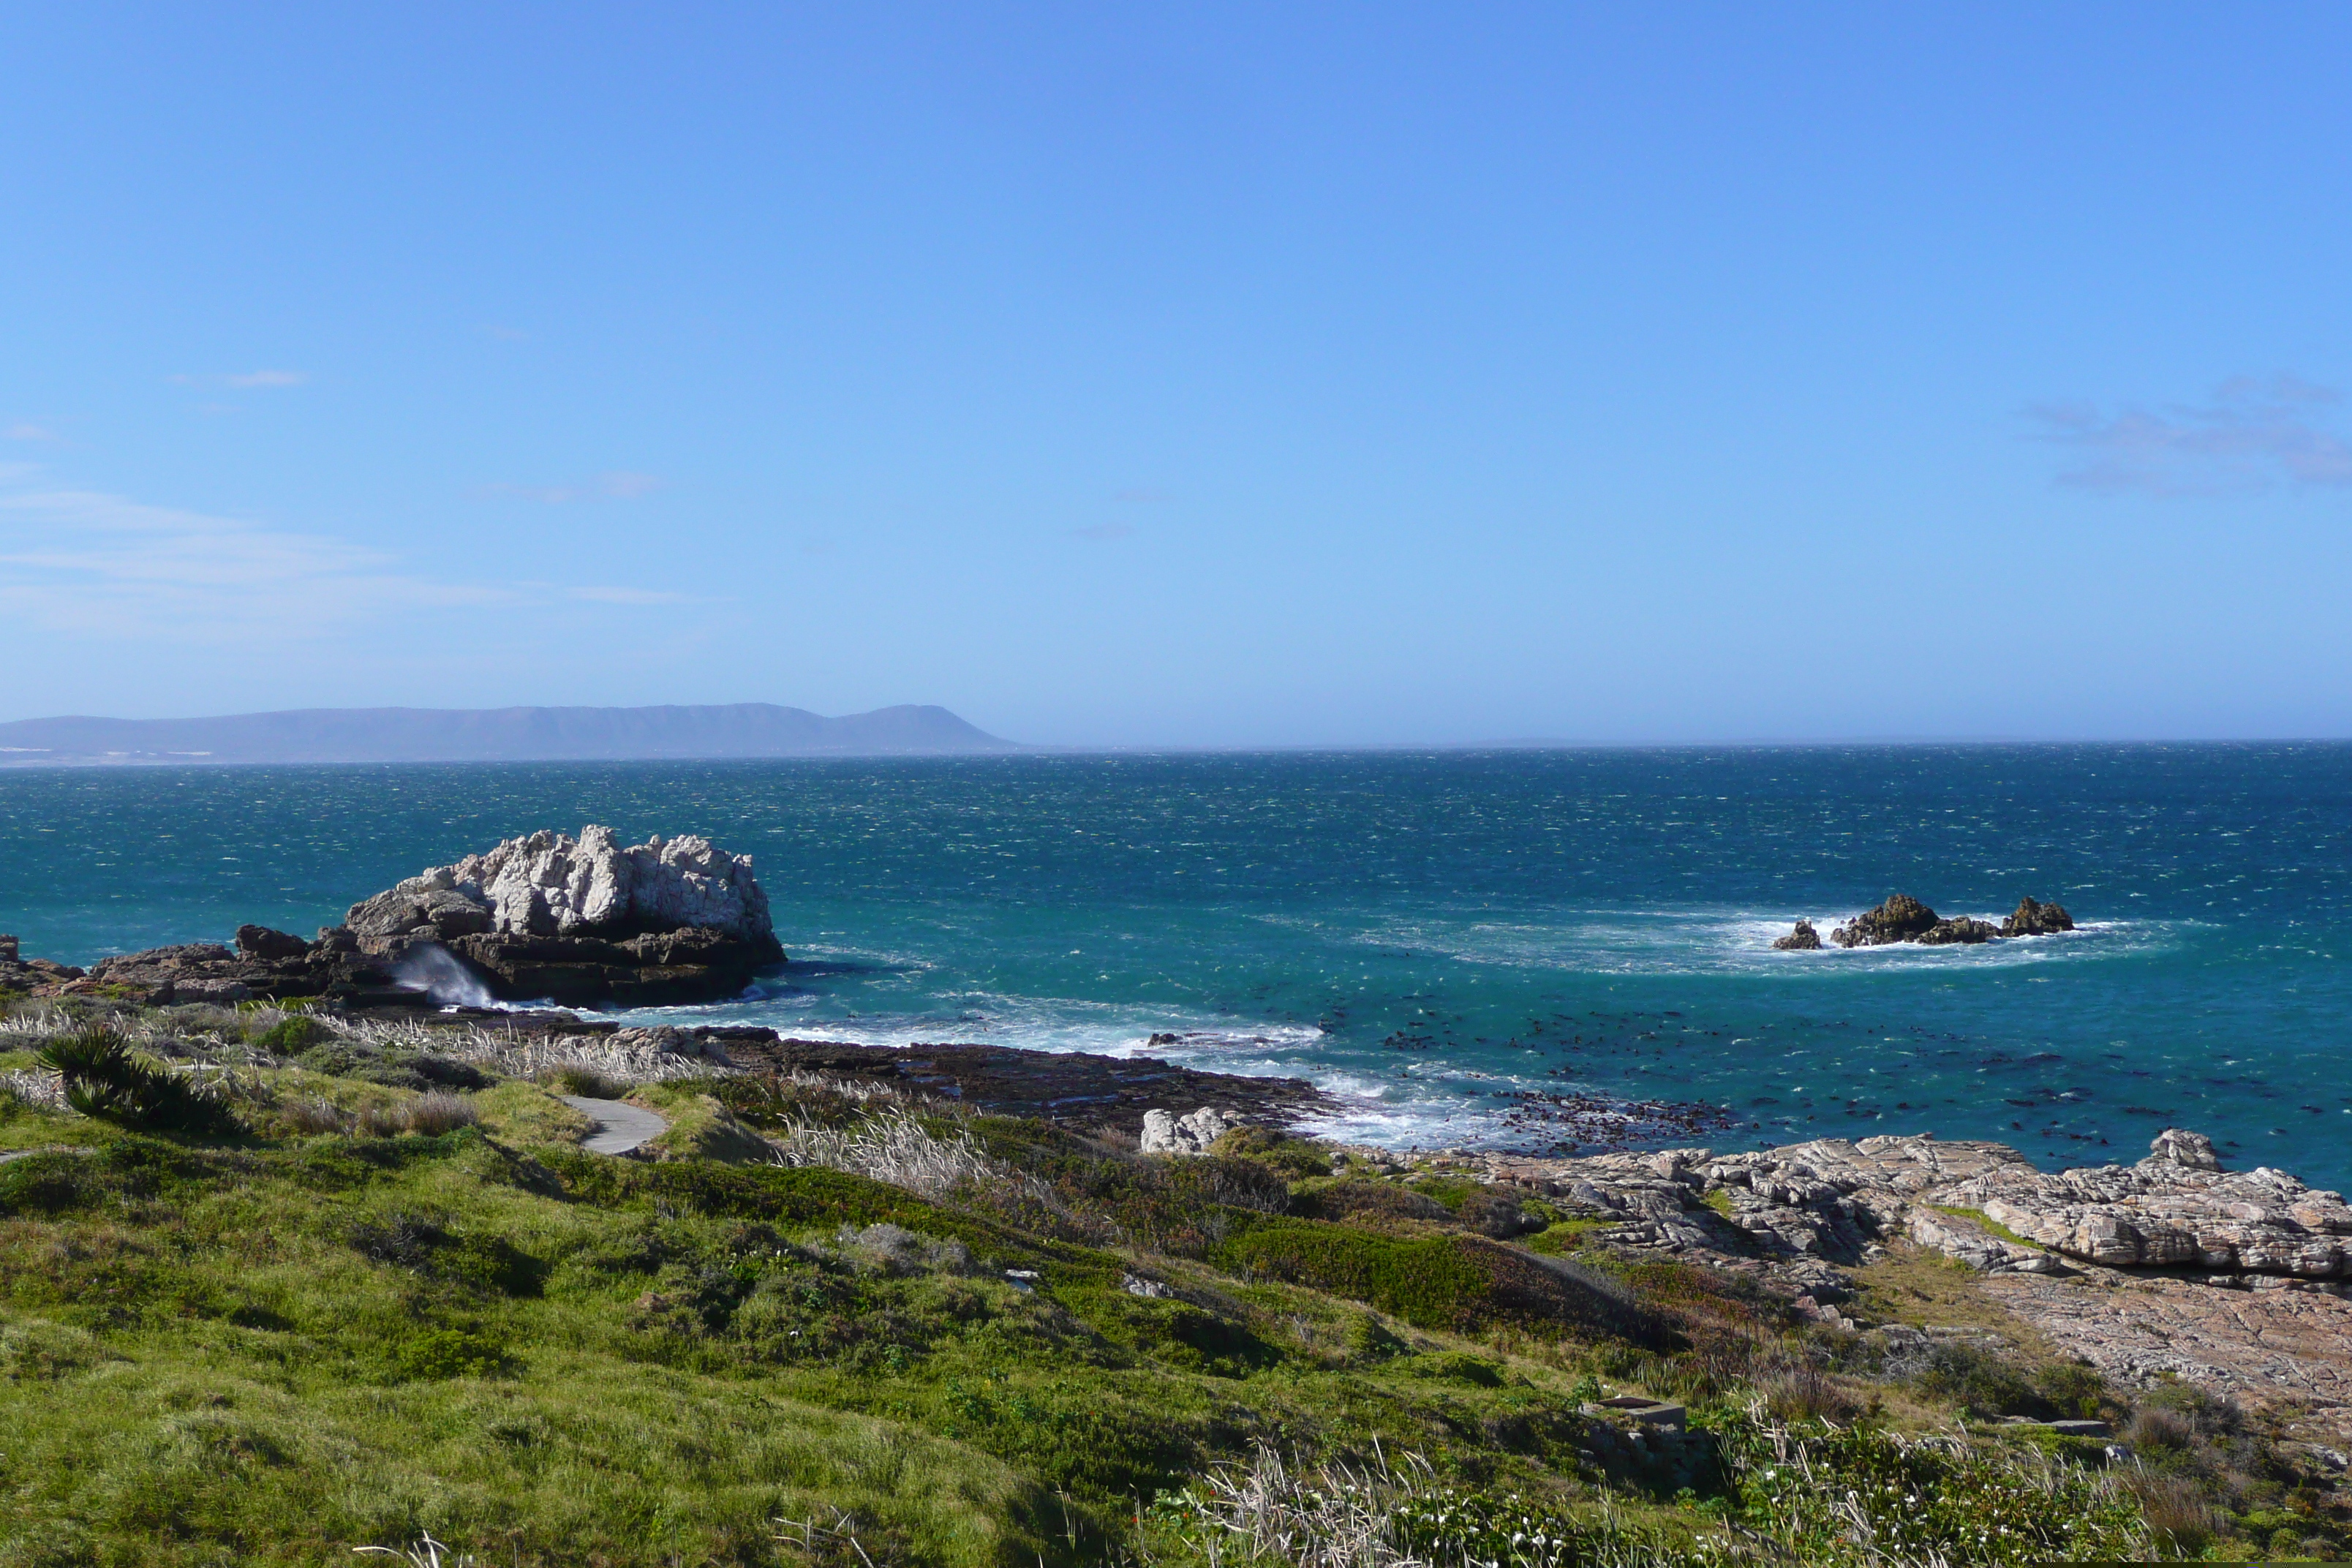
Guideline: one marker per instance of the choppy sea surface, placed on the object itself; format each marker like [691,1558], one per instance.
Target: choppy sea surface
[1512,948]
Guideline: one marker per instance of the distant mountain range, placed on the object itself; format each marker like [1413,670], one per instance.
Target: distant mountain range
[496,734]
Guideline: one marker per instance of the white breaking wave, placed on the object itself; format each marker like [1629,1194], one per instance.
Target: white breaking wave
[1739,942]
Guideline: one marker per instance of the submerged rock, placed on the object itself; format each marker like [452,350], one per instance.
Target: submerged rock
[2033,919]
[1805,939]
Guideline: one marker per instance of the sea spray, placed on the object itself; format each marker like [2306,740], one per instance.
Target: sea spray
[437,972]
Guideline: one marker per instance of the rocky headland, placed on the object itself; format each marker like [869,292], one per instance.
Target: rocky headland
[1904,918]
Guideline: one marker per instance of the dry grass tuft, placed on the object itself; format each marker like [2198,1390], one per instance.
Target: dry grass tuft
[2177,1509]
[1796,1394]
[893,1146]
[432,1114]
[312,1116]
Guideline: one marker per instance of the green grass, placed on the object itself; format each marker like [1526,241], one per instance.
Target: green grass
[1990,1227]
[271,1348]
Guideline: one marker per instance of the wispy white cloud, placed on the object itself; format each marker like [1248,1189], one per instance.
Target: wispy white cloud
[87,562]
[620,486]
[596,595]
[248,380]
[82,562]
[2251,434]
[31,433]
[505,334]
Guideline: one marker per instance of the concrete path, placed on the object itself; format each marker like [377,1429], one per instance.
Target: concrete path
[620,1126]
[49,1149]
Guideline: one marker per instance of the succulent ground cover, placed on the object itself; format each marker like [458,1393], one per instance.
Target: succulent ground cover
[373,1293]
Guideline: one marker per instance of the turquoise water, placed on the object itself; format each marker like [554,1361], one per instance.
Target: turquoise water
[1462,946]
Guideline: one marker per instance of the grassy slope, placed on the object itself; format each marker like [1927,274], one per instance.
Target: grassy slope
[277,1348]
[265,1353]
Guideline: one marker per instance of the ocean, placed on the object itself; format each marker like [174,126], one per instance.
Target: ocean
[1530,949]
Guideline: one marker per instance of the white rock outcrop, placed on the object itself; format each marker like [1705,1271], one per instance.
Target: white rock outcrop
[549,884]
[1165,1133]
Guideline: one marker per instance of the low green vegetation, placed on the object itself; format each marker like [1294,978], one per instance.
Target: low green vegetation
[381,1295]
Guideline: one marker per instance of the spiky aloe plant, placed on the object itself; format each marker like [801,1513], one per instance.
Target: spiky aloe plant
[103,1078]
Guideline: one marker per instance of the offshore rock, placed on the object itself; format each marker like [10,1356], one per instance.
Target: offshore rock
[1959,930]
[586,921]
[1901,918]
[1805,939]
[549,885]
[576,921]
[2033,919]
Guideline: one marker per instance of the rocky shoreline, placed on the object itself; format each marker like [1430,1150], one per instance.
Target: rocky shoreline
[2172,1267]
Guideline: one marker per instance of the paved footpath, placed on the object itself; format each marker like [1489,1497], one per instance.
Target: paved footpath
[620,1126]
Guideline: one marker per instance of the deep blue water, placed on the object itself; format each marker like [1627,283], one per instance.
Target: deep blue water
[1429,935]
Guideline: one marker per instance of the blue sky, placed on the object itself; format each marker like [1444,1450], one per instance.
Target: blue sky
[1187,375]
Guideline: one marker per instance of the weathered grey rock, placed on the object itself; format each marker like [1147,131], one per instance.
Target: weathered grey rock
[583,921]
[551,885]
[1803,939]
[2175,1209]
[1165,1133]
[1833,1200]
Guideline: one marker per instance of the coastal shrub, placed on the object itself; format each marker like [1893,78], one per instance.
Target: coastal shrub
[290,1036]
[776,1194]
[105,1080]
[1295,1158]
[431,1246]
[1461,1283]
[1374,1201]
[587,1082]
